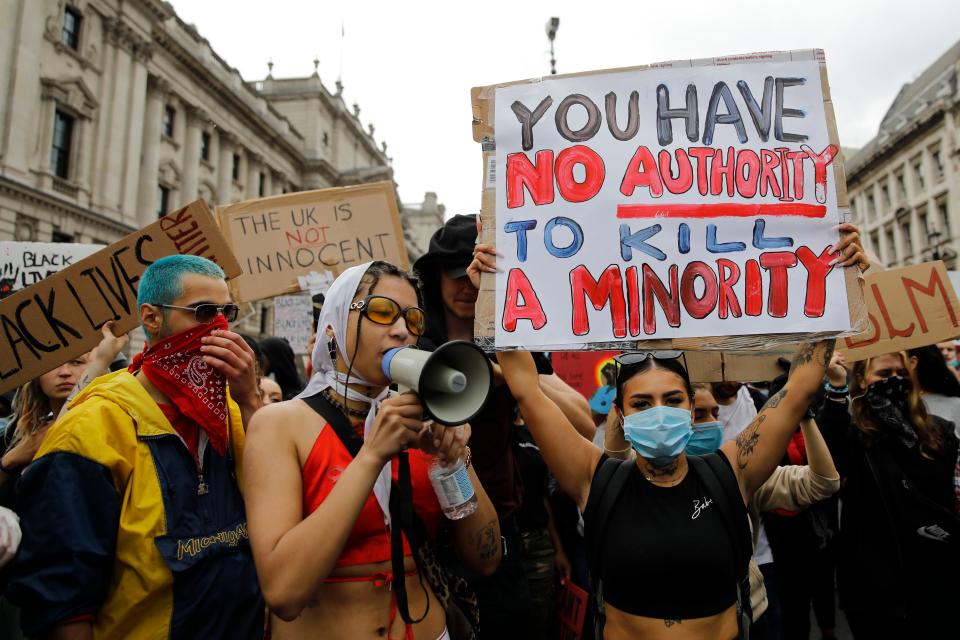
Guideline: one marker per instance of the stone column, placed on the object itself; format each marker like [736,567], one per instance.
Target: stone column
[253,174]
[225,167]
[134,150]
[150,154]
[191,154]
[267,180]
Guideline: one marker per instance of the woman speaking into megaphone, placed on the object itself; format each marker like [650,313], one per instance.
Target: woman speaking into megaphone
[326,487]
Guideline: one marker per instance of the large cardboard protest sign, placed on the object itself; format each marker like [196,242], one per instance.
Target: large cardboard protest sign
[293,320]
[684,199]
[286,243]
[59,318]
[907,307]
[25,263]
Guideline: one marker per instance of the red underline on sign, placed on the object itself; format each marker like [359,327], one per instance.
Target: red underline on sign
[719,210]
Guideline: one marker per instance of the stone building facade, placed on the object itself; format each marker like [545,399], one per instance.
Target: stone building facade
[113,112]
[420,221]
[904,185]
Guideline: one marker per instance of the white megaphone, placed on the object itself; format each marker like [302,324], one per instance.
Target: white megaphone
[453,382]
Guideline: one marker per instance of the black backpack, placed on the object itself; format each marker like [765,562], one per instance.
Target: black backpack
[719,483]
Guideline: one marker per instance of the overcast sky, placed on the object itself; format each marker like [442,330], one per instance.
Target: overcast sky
[410,65]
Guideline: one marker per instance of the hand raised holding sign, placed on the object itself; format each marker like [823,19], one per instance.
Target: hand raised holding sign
[229,354]
[849,250]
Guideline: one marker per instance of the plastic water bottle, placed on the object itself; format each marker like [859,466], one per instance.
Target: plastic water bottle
[454,489]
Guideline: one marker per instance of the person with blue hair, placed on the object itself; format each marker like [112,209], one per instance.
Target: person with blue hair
[133,519]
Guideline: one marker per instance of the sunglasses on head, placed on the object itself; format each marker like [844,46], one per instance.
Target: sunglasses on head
[206,312]
[637,357]
[385,311]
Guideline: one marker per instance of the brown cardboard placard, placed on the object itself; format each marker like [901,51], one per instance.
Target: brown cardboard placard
[483,104]
[907,307]
[283,239]
[59,318]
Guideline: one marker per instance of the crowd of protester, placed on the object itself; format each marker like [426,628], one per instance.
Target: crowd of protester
[164,498]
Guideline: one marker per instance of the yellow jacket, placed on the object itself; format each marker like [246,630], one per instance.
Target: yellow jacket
[119,524]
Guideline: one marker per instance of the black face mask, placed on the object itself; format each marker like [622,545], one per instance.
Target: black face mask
[887,400]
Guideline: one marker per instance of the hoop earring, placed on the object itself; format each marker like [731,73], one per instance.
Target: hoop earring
[332,350]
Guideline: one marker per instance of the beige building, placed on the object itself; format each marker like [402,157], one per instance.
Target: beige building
[114,112]
[420,221]
[904,185]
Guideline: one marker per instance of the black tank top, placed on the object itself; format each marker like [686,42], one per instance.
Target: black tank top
[666,553]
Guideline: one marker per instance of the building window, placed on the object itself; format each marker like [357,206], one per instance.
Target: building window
[924,224]
[263,184]
[944,218]
[205,146]
[169,117]
[871,206]
[163,200]
[891,246]
[901,187]
[905,232]
[918,174]
[326,138]
[885,195]
[62,141]
[70,35]
[937,164]
[875,242]
[236,167]
[60,236]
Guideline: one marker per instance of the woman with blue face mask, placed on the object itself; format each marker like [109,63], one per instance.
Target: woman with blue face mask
[668,567]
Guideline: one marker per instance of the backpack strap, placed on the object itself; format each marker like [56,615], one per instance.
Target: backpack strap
[335,418]
[604,491]
[722,486]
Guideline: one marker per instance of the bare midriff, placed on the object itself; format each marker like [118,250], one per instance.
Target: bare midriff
[361,609]
[621,626]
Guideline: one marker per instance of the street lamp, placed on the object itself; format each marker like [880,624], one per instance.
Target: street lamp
[552,25]
[933,236]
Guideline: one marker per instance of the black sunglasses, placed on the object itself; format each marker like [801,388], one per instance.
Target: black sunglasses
[385,311]
[637,357]
[205,313]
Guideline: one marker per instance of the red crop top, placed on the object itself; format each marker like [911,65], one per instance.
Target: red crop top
[369,541]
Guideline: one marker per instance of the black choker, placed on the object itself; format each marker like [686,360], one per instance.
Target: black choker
[331,397]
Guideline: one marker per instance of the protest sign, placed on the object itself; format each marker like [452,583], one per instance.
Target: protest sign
[60,317]
[293,320]
[677,200]
[290,242]
[571,610]
[25,263]
[907,307]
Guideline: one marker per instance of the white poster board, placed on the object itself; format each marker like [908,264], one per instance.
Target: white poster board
[293,320]
[689,199]
[25,263]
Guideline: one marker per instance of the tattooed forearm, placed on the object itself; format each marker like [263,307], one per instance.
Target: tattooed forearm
[670,623]
[486,541]
[747,441]
[827,354]
[774,401]
[803,356]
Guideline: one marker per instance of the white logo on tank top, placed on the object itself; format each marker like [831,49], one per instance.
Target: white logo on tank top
[699,506]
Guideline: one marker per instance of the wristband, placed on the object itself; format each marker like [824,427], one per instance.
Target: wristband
[832,390]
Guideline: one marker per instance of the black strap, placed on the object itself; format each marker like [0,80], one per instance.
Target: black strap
[722,486]
[403,520]
[604,491]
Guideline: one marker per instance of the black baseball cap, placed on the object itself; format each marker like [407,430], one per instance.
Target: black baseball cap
[451,247]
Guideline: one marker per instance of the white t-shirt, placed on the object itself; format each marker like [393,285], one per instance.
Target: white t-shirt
[944,407]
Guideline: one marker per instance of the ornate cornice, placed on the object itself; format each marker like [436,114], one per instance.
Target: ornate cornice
[51,202]
[120,34]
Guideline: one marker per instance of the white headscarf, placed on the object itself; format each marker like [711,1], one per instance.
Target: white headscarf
[336,309]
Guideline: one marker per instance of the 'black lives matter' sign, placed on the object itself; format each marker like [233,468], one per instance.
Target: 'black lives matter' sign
[60,317]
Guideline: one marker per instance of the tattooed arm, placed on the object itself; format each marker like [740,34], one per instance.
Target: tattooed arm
[758,449]
[477,537]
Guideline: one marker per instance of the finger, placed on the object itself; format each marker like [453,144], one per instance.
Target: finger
[852,260]
[847,240]
[486,248]
[224,369]
[107,330]
[228,355]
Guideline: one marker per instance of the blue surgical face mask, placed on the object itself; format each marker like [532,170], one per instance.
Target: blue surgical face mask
[658,434]
[954,363]
[707,437]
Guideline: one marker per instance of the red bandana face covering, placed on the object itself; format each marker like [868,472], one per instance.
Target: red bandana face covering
[177,369]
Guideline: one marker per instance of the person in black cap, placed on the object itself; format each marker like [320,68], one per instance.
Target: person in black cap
[450,301]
